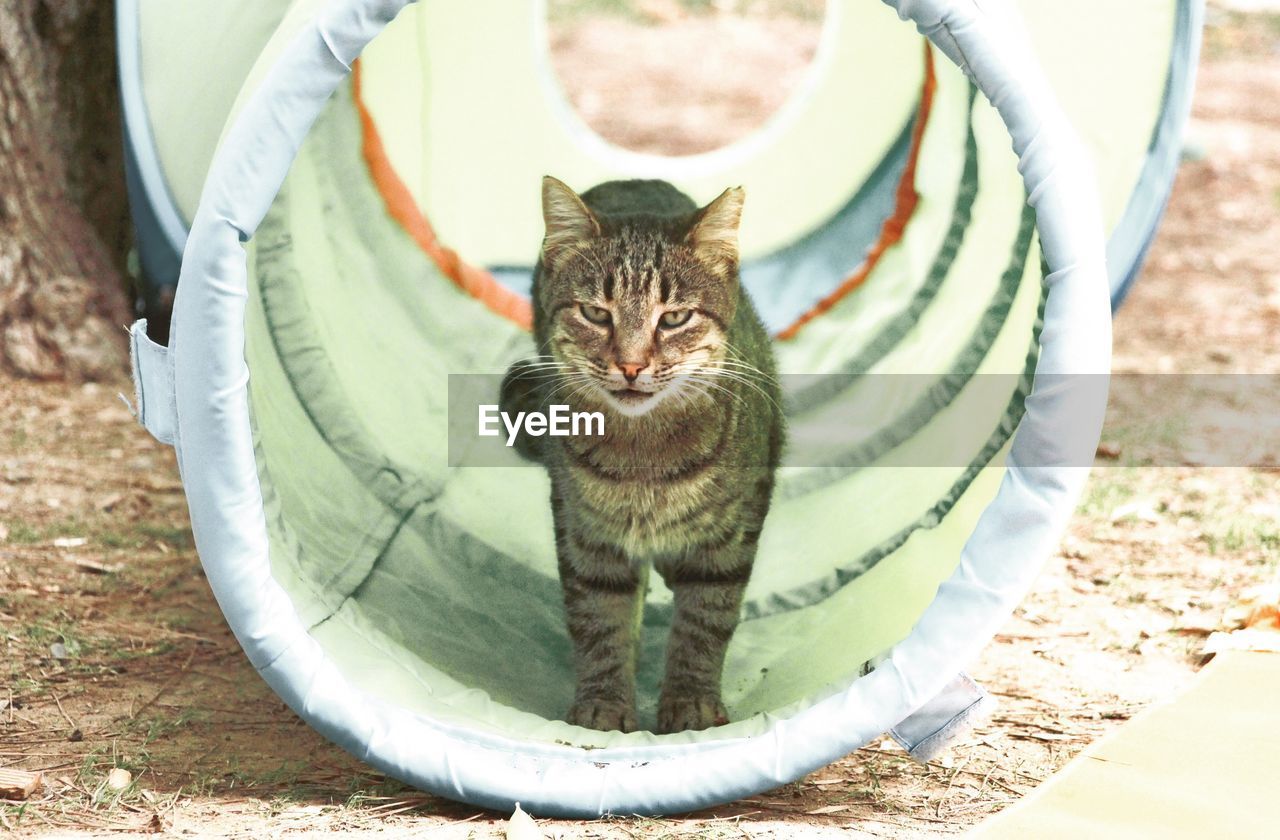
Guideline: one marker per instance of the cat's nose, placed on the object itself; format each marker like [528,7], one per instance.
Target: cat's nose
[631,370]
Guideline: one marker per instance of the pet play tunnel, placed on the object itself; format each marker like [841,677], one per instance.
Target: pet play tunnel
[359,236]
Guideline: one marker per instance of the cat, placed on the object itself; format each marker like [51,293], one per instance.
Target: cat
[639,314]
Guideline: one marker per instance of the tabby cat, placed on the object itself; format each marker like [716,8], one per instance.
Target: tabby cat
[638,314]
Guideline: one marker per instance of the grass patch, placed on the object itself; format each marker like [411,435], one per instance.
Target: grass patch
[571,11]
[139,535]
[1231,34]
[281,783]
[177,537]
[1236,533]
[20,533]
[127,654]
[103,531]
[1108,490]
[157,727]
[45,637]
[117,539]
[27,534]
[11,815]
[94,776]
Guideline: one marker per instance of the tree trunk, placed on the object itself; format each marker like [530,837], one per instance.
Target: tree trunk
[64,223]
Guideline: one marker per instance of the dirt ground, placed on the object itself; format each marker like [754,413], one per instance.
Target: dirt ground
[116,656]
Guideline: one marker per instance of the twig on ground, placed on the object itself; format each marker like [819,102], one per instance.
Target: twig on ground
[63,711]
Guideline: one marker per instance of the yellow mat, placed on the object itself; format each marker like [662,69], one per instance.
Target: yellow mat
[1203,766]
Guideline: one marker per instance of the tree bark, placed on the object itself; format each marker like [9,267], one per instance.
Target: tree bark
[64,222]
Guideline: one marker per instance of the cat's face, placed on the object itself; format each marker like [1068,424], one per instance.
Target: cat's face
[639,311]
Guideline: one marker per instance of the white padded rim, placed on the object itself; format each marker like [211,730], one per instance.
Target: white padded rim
[1016,532]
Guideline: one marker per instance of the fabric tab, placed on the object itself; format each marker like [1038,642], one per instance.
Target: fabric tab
[156,408]
[932,728]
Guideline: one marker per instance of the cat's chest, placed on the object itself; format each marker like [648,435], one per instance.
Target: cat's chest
[652,491]
[648,518]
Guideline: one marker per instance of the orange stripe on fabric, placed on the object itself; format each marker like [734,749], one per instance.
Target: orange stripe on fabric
[476,282]
[891,232]
[482,285]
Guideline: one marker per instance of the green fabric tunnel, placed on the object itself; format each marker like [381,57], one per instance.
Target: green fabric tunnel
[888,240]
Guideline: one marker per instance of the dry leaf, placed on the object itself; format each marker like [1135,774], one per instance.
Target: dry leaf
[1040,736]
[1267,641]
[1108,451]
[1263,605]
[829,809]
[109,502]
[96,567]
[113,414]
[522,827]
[1144,511]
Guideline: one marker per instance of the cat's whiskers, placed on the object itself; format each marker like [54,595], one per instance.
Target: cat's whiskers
[706,386]
[686,395]
[545,377]
[732,363]
[564,379]
[541,373]
[750,374]
[542,361]
[576,380]
[588,386]
[742,378]
[748,383]
[680,385]
[542,367]
[575,377]
[729,363]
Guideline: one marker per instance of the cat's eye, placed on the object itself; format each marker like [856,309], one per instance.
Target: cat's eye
[675,318]
[594,314]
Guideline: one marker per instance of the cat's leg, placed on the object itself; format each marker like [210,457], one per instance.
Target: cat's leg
[603,597]
[708,584]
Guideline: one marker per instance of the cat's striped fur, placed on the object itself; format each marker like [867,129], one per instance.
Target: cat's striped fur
[638,313]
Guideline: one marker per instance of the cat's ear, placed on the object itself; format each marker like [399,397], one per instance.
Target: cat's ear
[569,222]
[714,235]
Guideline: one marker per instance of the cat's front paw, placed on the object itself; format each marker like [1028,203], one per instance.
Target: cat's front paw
[681,712]
[605,715]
